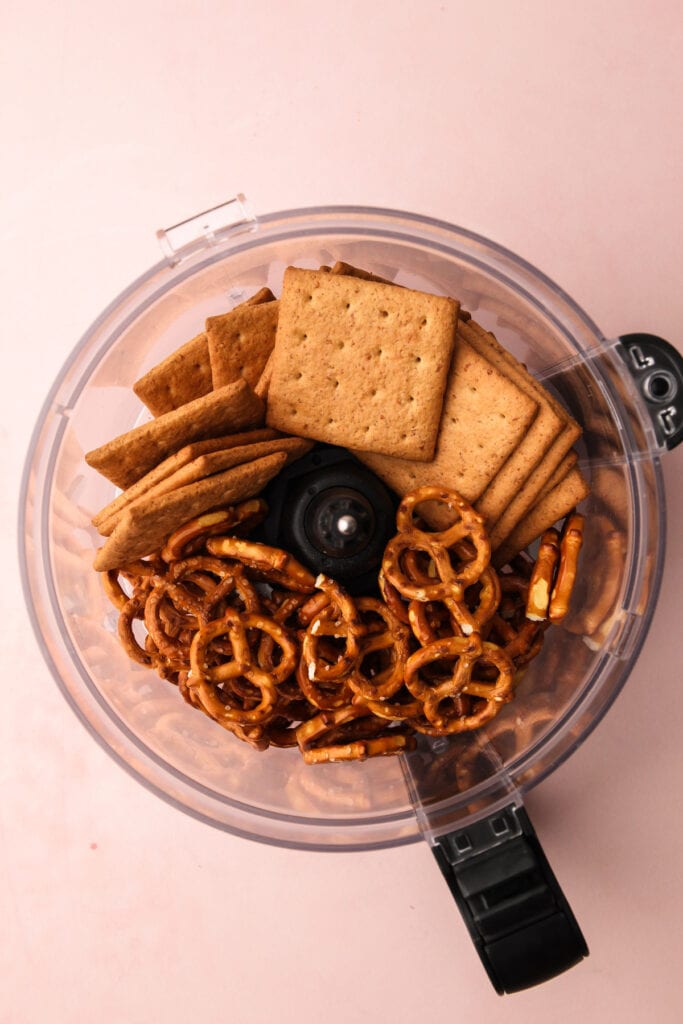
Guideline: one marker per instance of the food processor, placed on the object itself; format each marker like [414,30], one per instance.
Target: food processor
[464,794]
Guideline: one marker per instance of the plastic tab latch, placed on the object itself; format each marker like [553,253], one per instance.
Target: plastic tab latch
[206,229]
[516,913]
[657,369]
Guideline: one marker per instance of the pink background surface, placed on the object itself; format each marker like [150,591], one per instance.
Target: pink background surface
[556,131]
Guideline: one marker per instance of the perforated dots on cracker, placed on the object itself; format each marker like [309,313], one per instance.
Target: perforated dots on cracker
[360,364]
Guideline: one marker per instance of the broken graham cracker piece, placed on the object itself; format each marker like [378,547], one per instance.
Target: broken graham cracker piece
[129,456]
[241,341]
[360,364]
[186,373]
[173,463]
[484,417]
[555,505]
[209,463]
[143,529]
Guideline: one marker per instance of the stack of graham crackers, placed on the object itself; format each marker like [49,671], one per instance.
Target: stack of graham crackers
[207,445]
[422,395]
[405,379]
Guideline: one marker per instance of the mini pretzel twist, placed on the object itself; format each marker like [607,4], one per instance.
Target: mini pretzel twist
[468,525]
[237,689]
[447,583]
[339,620]
[387,644]
[442,710]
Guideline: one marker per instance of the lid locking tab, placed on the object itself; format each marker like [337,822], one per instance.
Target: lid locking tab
[206,229]
[657,369]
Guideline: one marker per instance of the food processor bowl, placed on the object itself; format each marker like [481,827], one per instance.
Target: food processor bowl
[624,392]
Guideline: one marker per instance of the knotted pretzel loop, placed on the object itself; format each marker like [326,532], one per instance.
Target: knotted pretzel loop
[338,620]
[133,609]
[222,703]
[401,709]
[237,655]
[384,650]
[443,711]
[392,599]
[171,610]
[452,660]
[476,608]
[468,523]
[137,577]
[328,696]
[444,584]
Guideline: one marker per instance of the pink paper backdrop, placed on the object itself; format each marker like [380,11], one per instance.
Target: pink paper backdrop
[554,129]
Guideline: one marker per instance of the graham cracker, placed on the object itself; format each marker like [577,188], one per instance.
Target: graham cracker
[484,417]
[535,483]
[129,456]
[173,463]
[543,431]
[347,270]
[572,489]
[186,373]
[568,462]
[360,364]
[241,341]
[209,463]
[143,529]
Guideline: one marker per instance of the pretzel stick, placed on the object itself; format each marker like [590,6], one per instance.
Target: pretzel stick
[572,539]
[541,580]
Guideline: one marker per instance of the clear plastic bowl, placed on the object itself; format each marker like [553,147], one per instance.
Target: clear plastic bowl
[215,261]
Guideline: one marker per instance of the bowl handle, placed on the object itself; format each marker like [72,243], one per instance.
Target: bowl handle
[517,915]
[657,369]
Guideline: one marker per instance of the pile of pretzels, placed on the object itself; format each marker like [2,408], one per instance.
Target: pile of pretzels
[280,658]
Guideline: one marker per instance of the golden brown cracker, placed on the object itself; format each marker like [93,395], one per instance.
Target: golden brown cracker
[211,462]
[347,270]
[173,463]
[535,483]
[568,462]
[180,378]
[360,364]
[543,431]
[241,341]
[143,529]
[129,456]
[186,373]
[571,490]
[484,417]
